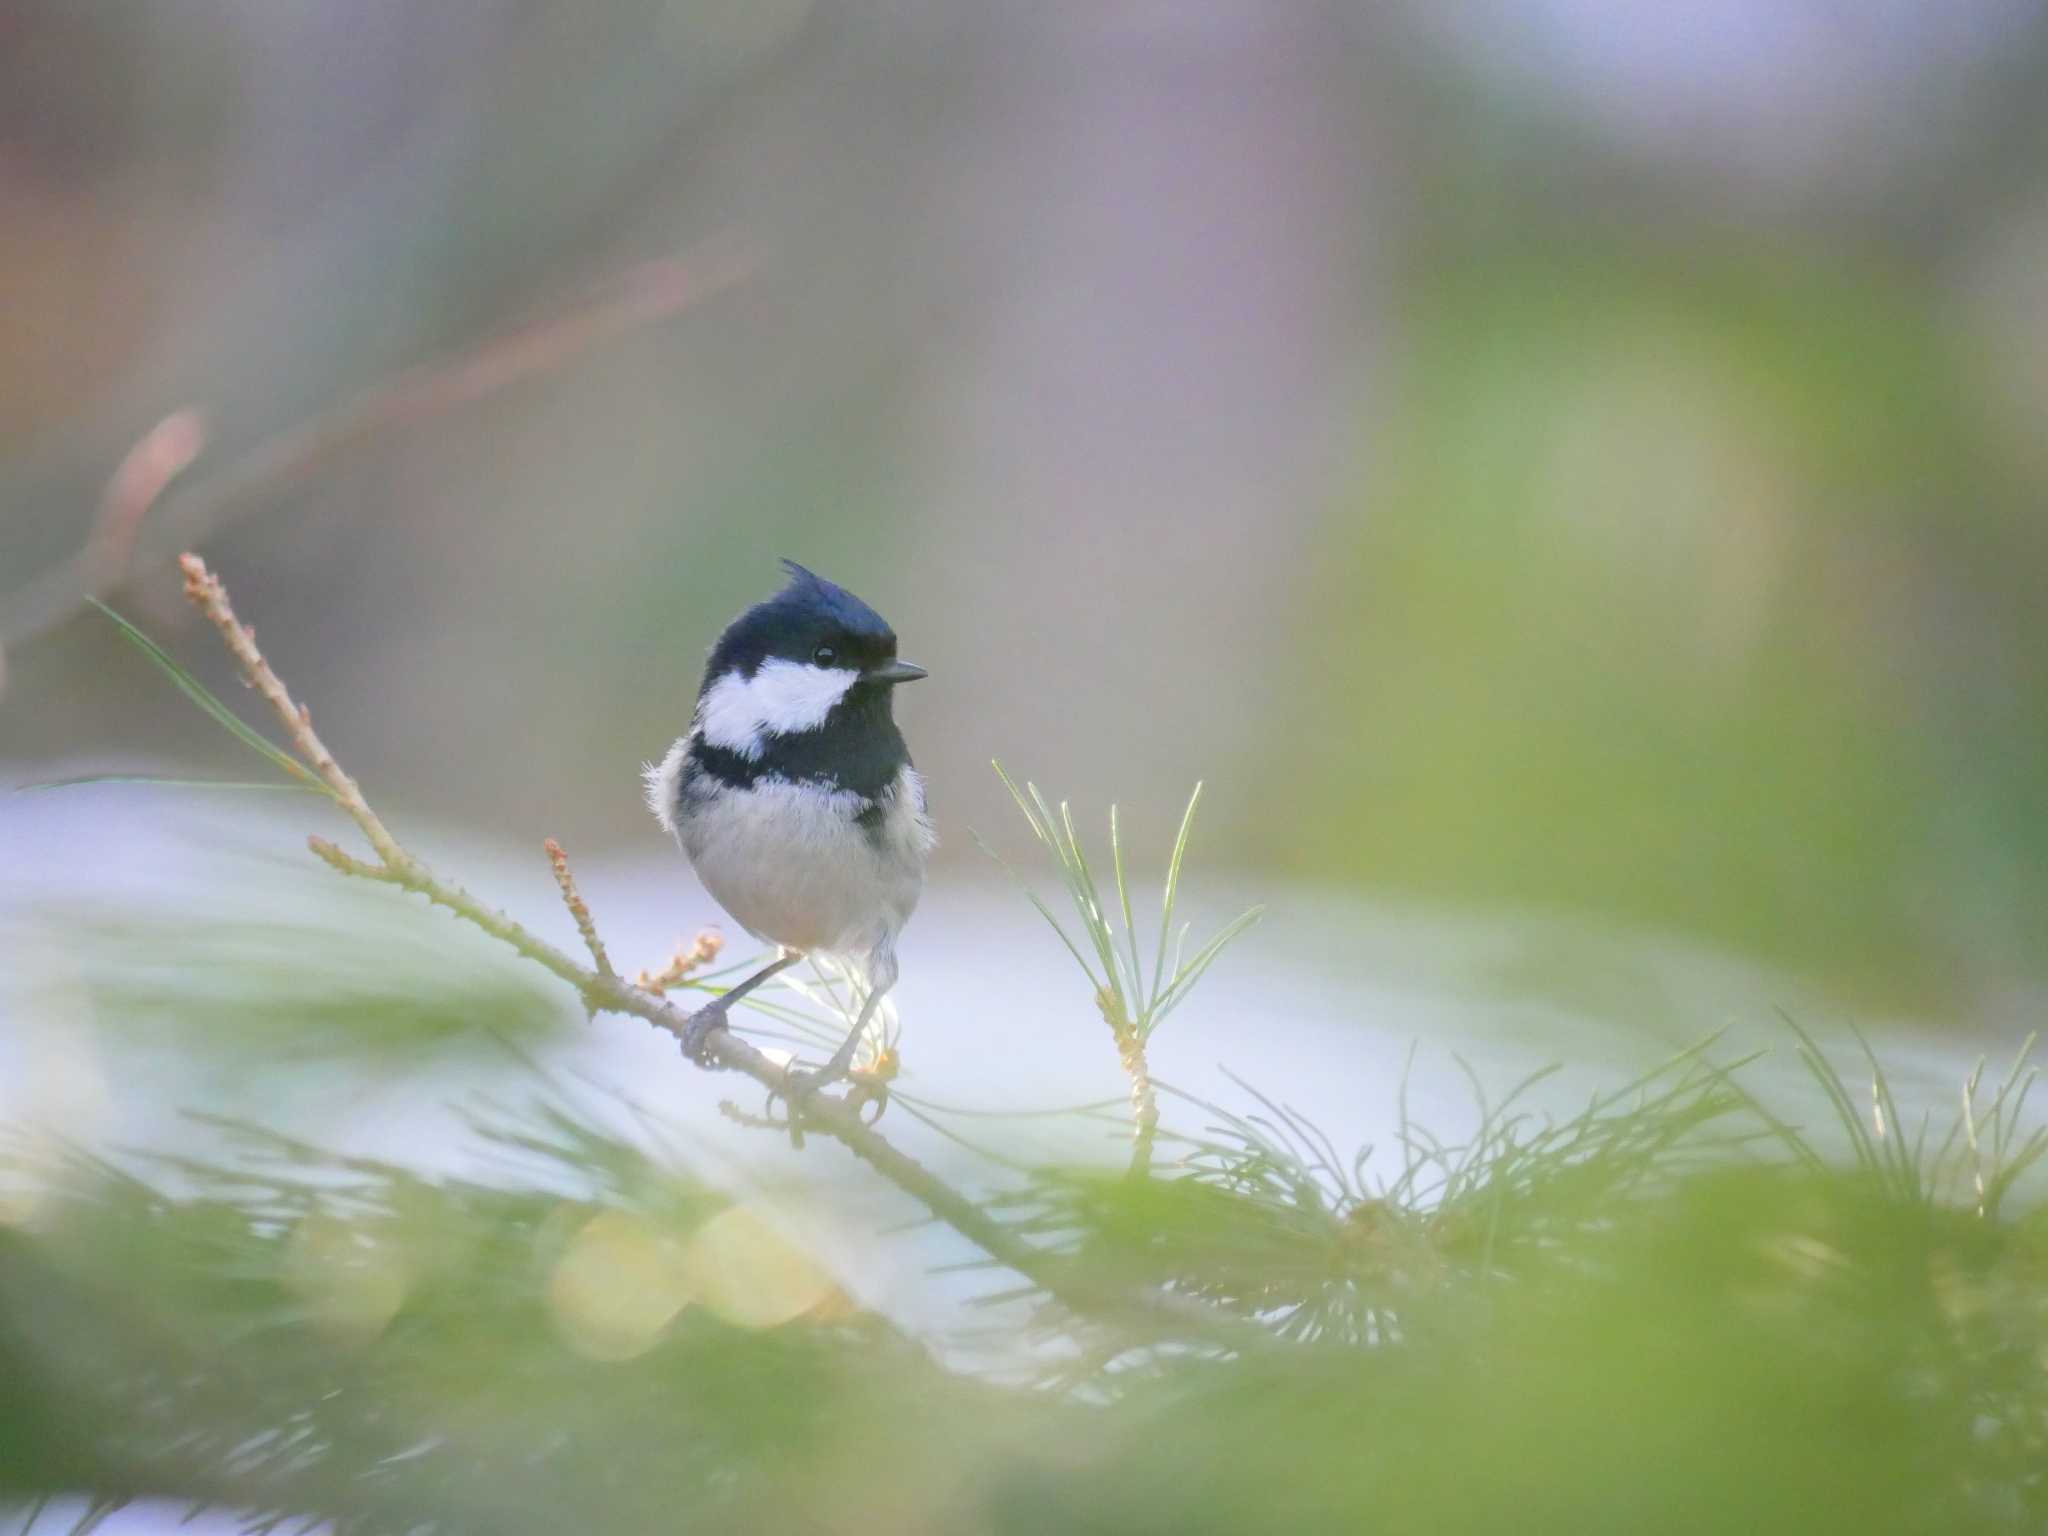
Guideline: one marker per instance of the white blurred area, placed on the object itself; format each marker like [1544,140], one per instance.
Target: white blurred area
[1339,1011]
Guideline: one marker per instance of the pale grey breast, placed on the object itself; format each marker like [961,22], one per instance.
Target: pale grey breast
[820,870]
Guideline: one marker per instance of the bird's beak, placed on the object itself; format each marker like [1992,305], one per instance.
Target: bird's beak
[892,672]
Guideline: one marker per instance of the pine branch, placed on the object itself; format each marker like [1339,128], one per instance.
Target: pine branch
[603,990]
[578,908]
[683,963]
[1131,1003]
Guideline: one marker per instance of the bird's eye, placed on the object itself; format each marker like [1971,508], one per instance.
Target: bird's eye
[824,655]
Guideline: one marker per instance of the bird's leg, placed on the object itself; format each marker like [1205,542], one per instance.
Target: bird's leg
[803,1084]
[713,1014]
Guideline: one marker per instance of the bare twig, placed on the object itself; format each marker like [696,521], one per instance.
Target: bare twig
[162,453]
[683,963]
[347,863]
[835,1115]
[752,1121]
[646,295]
[205,591]
[159,456]
[578,908]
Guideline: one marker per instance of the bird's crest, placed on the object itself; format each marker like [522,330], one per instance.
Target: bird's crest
[809,588]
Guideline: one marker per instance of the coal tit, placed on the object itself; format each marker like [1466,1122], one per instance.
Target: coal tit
[794,796]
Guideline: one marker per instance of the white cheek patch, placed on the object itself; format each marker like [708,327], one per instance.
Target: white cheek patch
[780,699]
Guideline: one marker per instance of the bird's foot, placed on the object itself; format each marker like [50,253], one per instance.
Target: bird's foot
[799,1087]
[697,1033]
[802,1085]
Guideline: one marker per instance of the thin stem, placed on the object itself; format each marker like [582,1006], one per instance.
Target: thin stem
[206,593]
[683,964]
[578,908]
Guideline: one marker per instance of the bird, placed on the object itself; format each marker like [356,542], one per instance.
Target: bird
[794,795]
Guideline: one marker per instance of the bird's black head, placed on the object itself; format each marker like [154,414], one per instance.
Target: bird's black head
[799,687]
[815,623]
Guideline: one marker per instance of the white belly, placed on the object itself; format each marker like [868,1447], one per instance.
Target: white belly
[793,866]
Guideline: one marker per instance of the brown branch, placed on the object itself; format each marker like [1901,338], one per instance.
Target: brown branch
[159,456]
[578,908]
[206,593]
[835,1115]
[162,453]
[683,963]
[347,863]
[646,295]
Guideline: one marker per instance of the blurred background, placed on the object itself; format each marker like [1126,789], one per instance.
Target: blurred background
[1525,454]
[1569,476]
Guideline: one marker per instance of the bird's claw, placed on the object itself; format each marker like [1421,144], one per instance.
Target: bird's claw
[866,1092]
[800,1085]
[697,1033]
[798,1088]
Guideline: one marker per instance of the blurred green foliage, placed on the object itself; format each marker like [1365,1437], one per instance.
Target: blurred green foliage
[1657,603]
[1615,1323]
